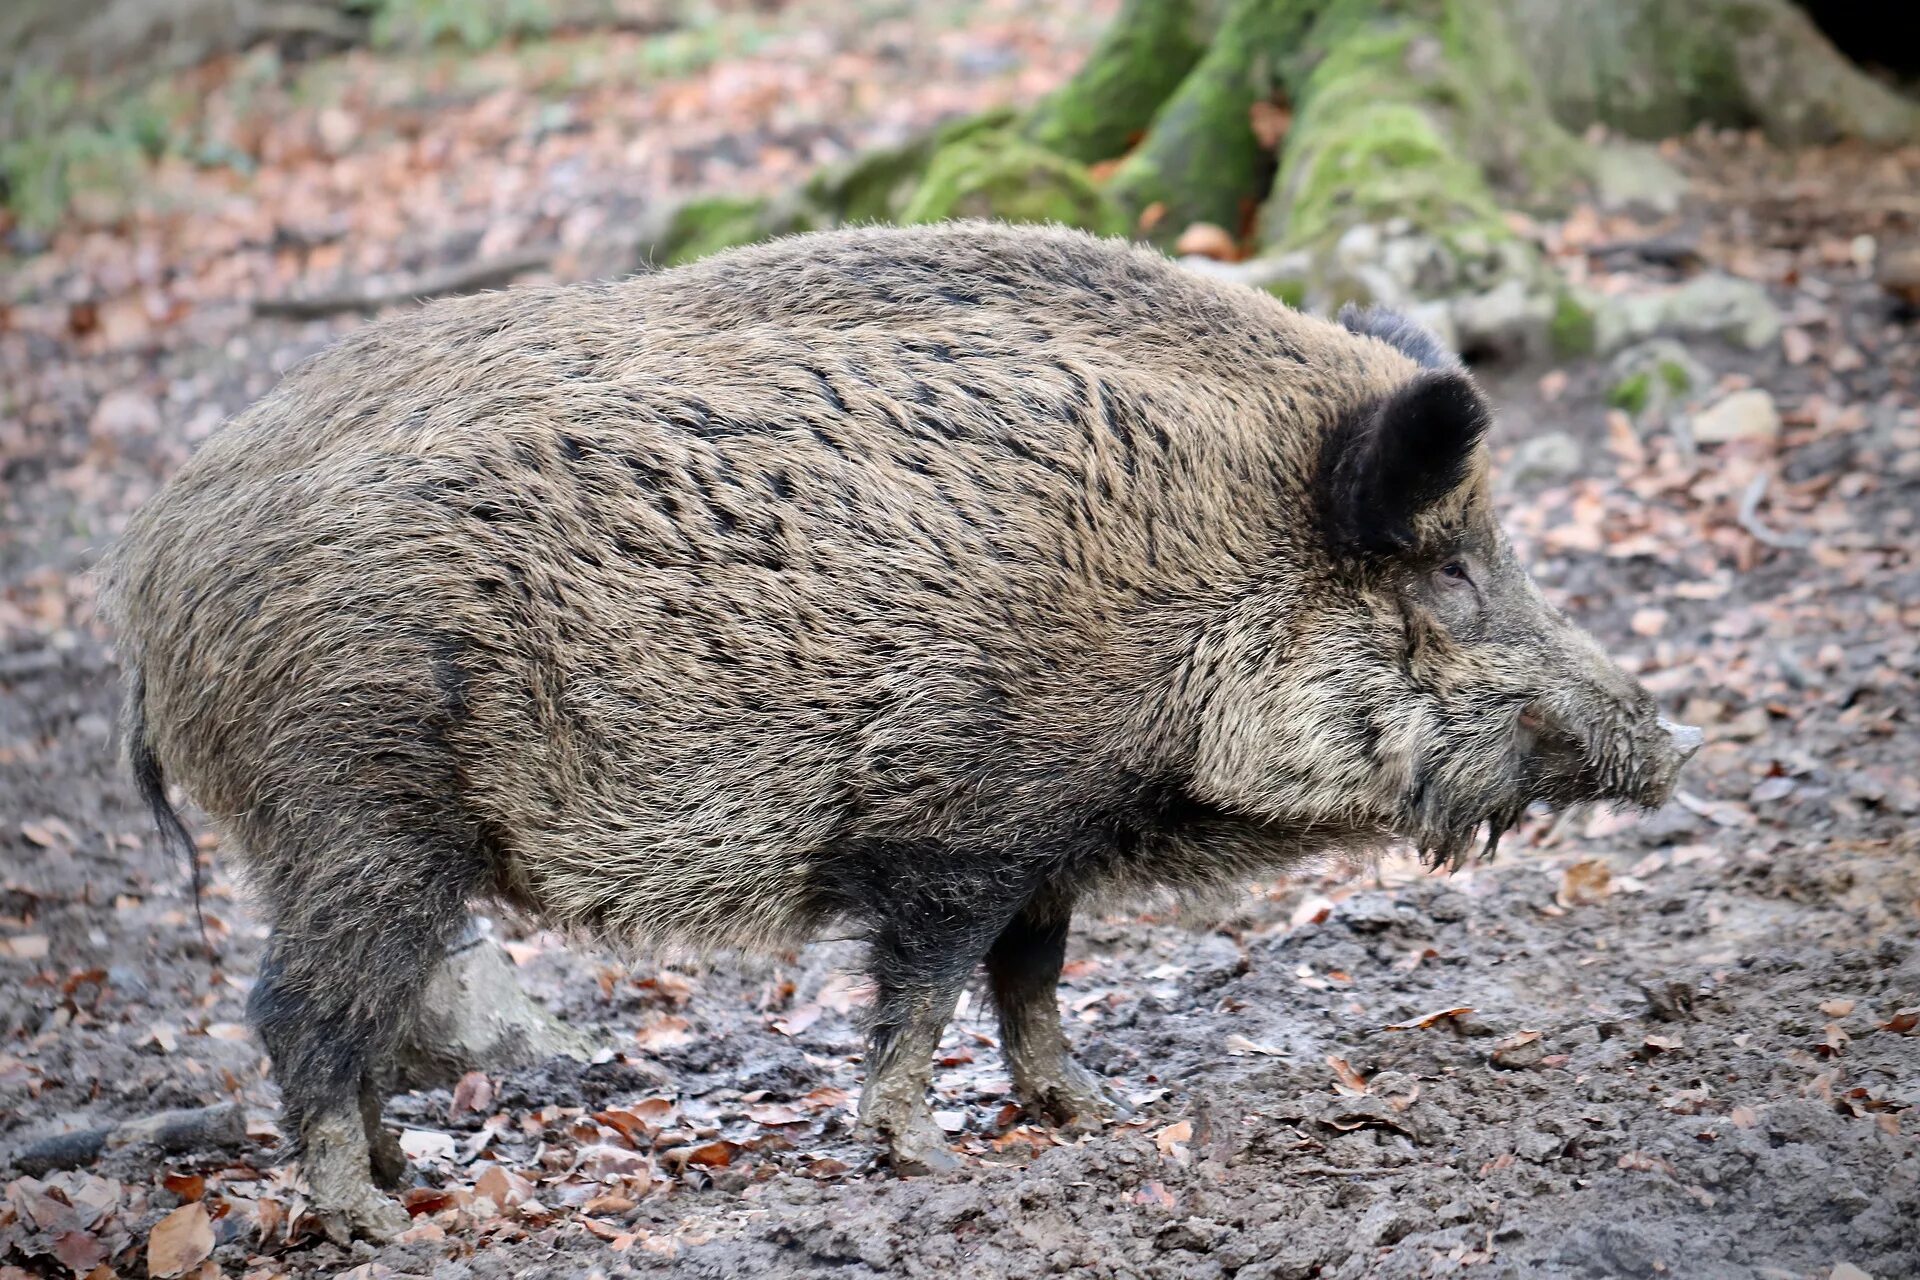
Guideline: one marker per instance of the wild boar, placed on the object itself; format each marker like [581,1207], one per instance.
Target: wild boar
[926,580]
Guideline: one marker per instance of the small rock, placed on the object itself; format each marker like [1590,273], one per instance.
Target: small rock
[337,129]
[1711,305]
[1544,459]
[1744,415]
[1508,321]
[124,413]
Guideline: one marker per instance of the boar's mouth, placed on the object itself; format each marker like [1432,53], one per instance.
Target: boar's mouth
[1545,763]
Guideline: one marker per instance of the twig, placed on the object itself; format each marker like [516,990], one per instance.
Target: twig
[221,1125]
[466,277]
[1750,517]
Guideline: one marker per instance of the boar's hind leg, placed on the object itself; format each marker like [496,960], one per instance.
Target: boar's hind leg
[357,926]
[1023,968]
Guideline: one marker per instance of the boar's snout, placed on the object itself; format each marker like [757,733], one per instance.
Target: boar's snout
[1685,737]
[1603,738]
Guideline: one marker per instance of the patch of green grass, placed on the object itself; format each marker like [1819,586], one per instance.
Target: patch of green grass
[1572,328]
[1632,393]
[470,24]
[55,144]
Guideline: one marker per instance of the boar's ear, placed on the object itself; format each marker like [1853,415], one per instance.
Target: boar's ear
[1391,460]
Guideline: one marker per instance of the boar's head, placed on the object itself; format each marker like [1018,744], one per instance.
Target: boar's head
[1523,707]
[1399,675]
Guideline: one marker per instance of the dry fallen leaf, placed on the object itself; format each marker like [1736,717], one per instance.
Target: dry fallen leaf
[1584,883]
[502,1186]
[1346,1080]
[1240,1046]
[667,1032]
[180,1241]
[1173,1139]
[473,1093]
[1426,1020]
[1743,1117]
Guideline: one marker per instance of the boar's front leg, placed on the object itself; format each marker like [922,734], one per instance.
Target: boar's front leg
[1023,968]
[930,939]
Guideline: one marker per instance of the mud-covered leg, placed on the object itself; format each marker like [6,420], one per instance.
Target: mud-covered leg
[1023,968]
[926,949]
[352,943]
[893,1102]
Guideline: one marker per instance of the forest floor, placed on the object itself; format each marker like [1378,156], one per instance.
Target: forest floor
[1686,1045]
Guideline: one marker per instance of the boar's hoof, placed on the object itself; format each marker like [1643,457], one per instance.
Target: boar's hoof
[1073,1098]
[368,1216]
[920,1149]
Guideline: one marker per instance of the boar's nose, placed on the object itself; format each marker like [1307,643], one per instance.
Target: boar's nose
[1686,738]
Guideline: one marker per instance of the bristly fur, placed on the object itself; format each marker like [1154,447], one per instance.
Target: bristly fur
[1417,342]
[931,579]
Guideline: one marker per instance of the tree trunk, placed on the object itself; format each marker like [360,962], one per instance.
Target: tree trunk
[1425,118]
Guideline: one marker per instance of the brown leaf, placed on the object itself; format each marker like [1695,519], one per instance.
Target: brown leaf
[714,1155]
[777,1113]
[1345,1079]
[79,1252]
[502,1186]
[1207,241]
[665,1032]
[1426,1020]
[605,1162]
[1270,122]
[474,1093]
[1239,1046]
[180,1241]
[1836,1008]
[1902,1022]
[1743,1116]
[1585,883]
[188,1186]
[1645,1163]
[797,1020]
[1173,1139]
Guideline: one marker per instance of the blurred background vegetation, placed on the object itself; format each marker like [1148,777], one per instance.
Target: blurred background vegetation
[1328,150]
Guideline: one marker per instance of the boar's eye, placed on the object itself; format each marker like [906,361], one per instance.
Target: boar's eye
[1454,571]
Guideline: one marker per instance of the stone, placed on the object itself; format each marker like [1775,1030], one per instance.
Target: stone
[1509,321]
[1547,458]
[1712,305]
[1744,415]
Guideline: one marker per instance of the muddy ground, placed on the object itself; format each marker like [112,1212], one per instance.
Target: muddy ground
[1678,1046]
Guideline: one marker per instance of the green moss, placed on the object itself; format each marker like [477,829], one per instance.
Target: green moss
[1144,54]
[1572,327]
[710,224]
[1001,175]
[1676,377]
[1291,292]
[57,148]
[471,24]
[1201,161]
[1632,393]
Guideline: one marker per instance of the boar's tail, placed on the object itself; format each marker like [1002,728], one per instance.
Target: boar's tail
[151,782]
